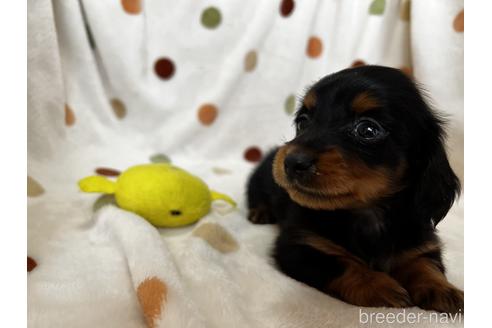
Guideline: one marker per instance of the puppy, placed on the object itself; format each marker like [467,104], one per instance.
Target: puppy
[358,192]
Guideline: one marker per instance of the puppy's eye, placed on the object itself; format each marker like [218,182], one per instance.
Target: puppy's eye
[369,130]
[302,122]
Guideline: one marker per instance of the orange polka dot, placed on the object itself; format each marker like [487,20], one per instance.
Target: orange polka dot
[358,63]
[459,21]
[314,47]
[207,114]
[152,296]
[132,7]
[69,116]
[119,108]
[31,264]
[407,70]
[253,154]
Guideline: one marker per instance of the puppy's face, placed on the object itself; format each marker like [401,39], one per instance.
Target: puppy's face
[355,133]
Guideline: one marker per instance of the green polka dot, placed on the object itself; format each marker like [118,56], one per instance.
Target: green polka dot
[102,201]
[211,17]
[220,170]
[290,104]
[160,158]
[377,7]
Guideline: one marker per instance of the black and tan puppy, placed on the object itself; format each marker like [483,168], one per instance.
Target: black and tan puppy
[358,192]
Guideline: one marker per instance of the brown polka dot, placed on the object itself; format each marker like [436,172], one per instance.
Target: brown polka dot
[459,21]
[207,114]
[152,296]
[358,63]
[119,108]
[132,7]
[405,10]
[164,68]
[314,47]
[69,116]
[31,264]
[250,61]
[287,7]
[217,237]
[107,172]
[34,188]
[253,154]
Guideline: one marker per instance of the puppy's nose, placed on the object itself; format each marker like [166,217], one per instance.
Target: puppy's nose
[298,163]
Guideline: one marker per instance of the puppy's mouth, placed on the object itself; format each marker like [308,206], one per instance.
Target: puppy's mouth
[318,193]
[331,180]
[303,191]
[316,198]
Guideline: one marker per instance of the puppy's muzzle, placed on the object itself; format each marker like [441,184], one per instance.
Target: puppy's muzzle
[299,166]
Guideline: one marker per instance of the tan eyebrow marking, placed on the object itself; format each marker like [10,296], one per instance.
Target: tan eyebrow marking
[310,100]
[364,101]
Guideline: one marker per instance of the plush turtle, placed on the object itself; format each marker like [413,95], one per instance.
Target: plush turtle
[163,194]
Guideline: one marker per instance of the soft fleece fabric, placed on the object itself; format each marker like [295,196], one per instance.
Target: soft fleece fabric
[210,88]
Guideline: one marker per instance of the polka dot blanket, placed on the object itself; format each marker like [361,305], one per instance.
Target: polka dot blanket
[210,85]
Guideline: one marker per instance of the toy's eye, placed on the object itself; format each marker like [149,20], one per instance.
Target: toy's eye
[369,130]
[302,121]
[175,212]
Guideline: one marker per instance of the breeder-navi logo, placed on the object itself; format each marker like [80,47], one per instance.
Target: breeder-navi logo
[410,317]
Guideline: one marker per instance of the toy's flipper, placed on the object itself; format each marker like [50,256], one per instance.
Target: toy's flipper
[98,184]
[217,195]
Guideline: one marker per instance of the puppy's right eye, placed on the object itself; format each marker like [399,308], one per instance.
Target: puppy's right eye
[369,130]
[302,122]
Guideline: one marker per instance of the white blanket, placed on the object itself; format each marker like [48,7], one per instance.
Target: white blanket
[108,106]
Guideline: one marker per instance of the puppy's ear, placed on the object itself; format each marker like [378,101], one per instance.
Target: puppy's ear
[436,185]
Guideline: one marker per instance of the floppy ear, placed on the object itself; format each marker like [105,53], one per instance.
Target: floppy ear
[436,185]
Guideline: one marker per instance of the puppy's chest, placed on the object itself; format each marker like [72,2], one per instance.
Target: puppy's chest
[365,236]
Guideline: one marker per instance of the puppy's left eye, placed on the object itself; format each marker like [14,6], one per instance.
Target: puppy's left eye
[369,130]
[302,122]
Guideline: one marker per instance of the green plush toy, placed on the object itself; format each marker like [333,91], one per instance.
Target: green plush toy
[163,194]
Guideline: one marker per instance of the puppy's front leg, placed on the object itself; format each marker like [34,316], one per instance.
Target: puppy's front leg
[328,267]
[421,272]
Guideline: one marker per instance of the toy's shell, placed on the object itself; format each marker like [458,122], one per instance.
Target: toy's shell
[165,195]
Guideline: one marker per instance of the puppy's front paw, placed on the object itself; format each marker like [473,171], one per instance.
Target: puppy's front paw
[375,289]
[385,291]
[260,215]
[441,298]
